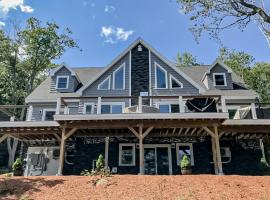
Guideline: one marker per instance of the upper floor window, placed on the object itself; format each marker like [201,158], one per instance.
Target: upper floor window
[112,108]
[174,83]
[62,82]
[161,77]
[119,78]
[219,79]
[168,108]
[88,108]
[106,84]
[48,114]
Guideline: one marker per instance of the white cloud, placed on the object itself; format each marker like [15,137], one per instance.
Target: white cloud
[7,5]
[109,9]
[26,9]
[113,34]
[2,24]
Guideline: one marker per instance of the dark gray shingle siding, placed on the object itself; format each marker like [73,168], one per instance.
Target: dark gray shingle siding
[219,69]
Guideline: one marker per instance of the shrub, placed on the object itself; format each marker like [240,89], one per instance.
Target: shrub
[185,162]
[17,165]
[100,164]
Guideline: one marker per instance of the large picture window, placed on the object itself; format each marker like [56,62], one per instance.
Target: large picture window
[161,77]
[127,154]
[168,108]
[119,78]
[219,79]
[184,149]
[62,82]
[113,108]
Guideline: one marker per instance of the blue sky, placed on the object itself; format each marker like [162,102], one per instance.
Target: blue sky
[104,28]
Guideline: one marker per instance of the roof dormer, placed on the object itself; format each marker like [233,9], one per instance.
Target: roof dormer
[64,79]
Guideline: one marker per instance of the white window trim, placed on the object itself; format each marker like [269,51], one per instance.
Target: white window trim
[157,104]
[190,145]
[57,81]
[173,78]
[124,72]
[166,78]
[214,79]
[114,103]
[44,112]
[133,154]
[108,78]
[85,105]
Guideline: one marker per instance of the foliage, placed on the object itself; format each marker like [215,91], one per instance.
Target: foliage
[185,162]
[185,59]
[239,61]
[258,79]
[27,55]
[214,16]
[100,164]
[17,165]
[100,169]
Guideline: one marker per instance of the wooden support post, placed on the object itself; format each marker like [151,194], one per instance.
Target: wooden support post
[62,153]
[214,155]
[107,141]
[181,104]
[30,113]
[141,135]
[219,161]
[99,105]
[262,148]
[253,111]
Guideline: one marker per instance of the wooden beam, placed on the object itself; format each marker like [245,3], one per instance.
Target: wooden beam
[3,137]
[209,131]
[148,130]
[70,133]
[107,141]
[193,131]
[134,132]
[57,137]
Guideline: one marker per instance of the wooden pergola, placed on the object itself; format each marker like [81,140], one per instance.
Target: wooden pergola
[142,125]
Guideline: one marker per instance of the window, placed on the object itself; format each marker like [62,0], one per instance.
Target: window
[119,78]
[126,154]
[62,82]
[113,108]
[165,108]
[219,79]
[48,115]
[184,149]
[168,108]
[88,108]
[106,84]
[174,83]
[161,77]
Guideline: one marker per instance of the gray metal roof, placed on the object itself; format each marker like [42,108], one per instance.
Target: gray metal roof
[88,74]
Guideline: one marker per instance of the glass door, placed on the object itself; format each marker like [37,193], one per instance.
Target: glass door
[150,161]
[162,161]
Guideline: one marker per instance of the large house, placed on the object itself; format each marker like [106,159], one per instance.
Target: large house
[142,113]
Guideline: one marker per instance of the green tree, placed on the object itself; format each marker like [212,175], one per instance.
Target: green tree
[25,57]
[259,80]
[214,16]
[185,59]
[239,61]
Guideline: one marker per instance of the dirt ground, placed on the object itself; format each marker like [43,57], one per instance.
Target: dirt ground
[133,187]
